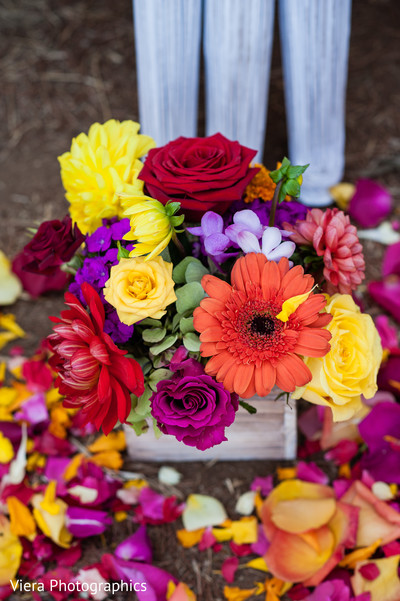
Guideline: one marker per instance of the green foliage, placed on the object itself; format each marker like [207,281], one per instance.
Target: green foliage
[123,253]
[289,177]
[164,344]
[248,407]
[189,297]
[191,342]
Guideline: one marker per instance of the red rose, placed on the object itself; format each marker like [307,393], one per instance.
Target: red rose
[203,174]
[54,243]
[93,373]
[35,283]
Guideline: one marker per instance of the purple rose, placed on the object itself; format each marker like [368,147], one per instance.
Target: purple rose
[54,243]
[193,407]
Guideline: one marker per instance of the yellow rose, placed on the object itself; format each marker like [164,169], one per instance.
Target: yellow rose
[138,288]
[350,368]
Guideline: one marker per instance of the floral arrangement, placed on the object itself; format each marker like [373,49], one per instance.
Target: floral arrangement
[195,282]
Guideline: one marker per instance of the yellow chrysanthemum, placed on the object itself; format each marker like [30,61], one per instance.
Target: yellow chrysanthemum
[152,225]
[99,166]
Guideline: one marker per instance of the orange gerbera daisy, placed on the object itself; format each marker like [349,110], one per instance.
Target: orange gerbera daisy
[251,348]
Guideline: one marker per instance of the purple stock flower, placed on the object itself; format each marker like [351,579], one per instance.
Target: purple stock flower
[285,211]
[370,204]
[244,221]
[96,271]
[100,240]
[193,407]
[381,432]
[120,228]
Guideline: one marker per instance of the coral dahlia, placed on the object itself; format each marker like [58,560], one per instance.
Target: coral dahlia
[92,372]
[335,239]
[252,347]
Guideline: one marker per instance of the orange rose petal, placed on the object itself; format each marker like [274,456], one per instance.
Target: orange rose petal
[190,539]
[115,441]
[233,593]
[110,459]
[350,560]
[300,515]
[292,559]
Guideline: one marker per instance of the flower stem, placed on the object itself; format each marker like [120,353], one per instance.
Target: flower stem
[178,244]
[274,204]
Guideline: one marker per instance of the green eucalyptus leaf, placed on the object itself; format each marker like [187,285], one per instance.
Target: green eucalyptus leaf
[191,342]
[154,334]
[164,345]
[149,321]
[186,325]
[178,273]
[189,297]
[175,321]
[195,271]
[160,374]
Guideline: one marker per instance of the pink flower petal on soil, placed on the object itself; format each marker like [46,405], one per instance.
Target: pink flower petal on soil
[310,472]
[137,546]
[391,261]
[86,522]
[229,568]
[155,580]
[370,204]
[387,294]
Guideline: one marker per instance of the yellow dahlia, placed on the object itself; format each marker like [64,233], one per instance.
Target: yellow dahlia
[99,166]
[152,224]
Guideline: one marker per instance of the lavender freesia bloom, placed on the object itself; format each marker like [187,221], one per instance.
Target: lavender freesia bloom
[272,246]
[213,240]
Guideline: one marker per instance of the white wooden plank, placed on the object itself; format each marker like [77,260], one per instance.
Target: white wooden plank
[269,434]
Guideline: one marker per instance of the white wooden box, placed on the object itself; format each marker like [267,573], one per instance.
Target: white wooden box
[271,433]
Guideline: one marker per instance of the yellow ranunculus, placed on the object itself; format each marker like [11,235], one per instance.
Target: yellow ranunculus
[350,368]
[152,224]
[139,288]
[10,552]
[99,166]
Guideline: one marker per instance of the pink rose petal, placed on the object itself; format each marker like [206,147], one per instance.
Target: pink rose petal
[370,204]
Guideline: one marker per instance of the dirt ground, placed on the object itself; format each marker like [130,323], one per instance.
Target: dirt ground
[65,65]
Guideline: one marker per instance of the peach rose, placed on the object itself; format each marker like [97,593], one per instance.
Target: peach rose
[138,288]
[377,520]
[308,530]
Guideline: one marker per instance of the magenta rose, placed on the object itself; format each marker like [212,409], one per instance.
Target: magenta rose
[54,243]
[193,407]
[203,174]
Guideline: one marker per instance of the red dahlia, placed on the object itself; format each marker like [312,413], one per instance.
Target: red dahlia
[93,374]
